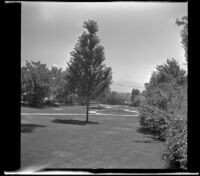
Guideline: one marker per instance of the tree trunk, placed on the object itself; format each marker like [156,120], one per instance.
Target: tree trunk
[87,112]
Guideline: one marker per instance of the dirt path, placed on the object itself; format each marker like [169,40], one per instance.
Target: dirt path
[108,142]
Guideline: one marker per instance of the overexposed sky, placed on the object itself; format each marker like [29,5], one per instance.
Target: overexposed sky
[136,36]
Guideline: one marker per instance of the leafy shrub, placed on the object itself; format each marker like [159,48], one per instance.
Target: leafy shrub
[176,152]
[172,130]
[155,120]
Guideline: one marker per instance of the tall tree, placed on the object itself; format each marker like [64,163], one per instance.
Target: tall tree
[87,75]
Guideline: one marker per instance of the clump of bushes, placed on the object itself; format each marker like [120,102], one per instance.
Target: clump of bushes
[155,120]
[169,129]
[176,152]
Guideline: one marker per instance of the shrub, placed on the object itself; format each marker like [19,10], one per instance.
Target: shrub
[155,121]
[176,152]
[172,130]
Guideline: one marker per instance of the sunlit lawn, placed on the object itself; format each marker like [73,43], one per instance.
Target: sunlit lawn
[68,142]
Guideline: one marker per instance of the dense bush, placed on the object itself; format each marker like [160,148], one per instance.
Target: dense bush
[155,120]
[176,152]
[169,129]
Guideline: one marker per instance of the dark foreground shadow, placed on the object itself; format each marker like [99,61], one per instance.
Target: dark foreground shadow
[39,106]
[73,122]
[146,141]
[28,128]
[96,107]
[148,133]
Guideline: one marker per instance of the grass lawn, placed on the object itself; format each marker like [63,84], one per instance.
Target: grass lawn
[68,142]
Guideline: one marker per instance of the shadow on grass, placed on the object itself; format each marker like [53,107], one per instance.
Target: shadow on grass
[148,133]
[146,141]
[96,107]
[39,106]
[73,122]
[28,128]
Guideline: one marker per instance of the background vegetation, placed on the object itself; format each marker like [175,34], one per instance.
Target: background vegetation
[165,109]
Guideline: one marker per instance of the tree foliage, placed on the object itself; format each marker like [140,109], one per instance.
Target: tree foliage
[135,97]
[134,93]
[57,83]
[163,82]
[87,75]
[184,33]
[166,113]
[35,81]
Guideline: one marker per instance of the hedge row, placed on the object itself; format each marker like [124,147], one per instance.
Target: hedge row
[176,151]
[169,129]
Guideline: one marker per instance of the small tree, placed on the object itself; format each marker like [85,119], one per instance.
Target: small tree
[135,97]
[134,93]
[87,75]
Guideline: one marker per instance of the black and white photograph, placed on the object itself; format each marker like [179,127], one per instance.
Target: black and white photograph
[104,85]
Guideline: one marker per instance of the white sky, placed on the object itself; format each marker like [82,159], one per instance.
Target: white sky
[136,36]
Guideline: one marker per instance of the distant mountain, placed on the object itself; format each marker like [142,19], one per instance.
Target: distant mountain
[126,86]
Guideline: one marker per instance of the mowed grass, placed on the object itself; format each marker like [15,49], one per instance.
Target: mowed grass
[68,142]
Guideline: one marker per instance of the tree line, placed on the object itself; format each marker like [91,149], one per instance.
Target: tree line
[86,78]
[38,82]
[164,110]
[42,85]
